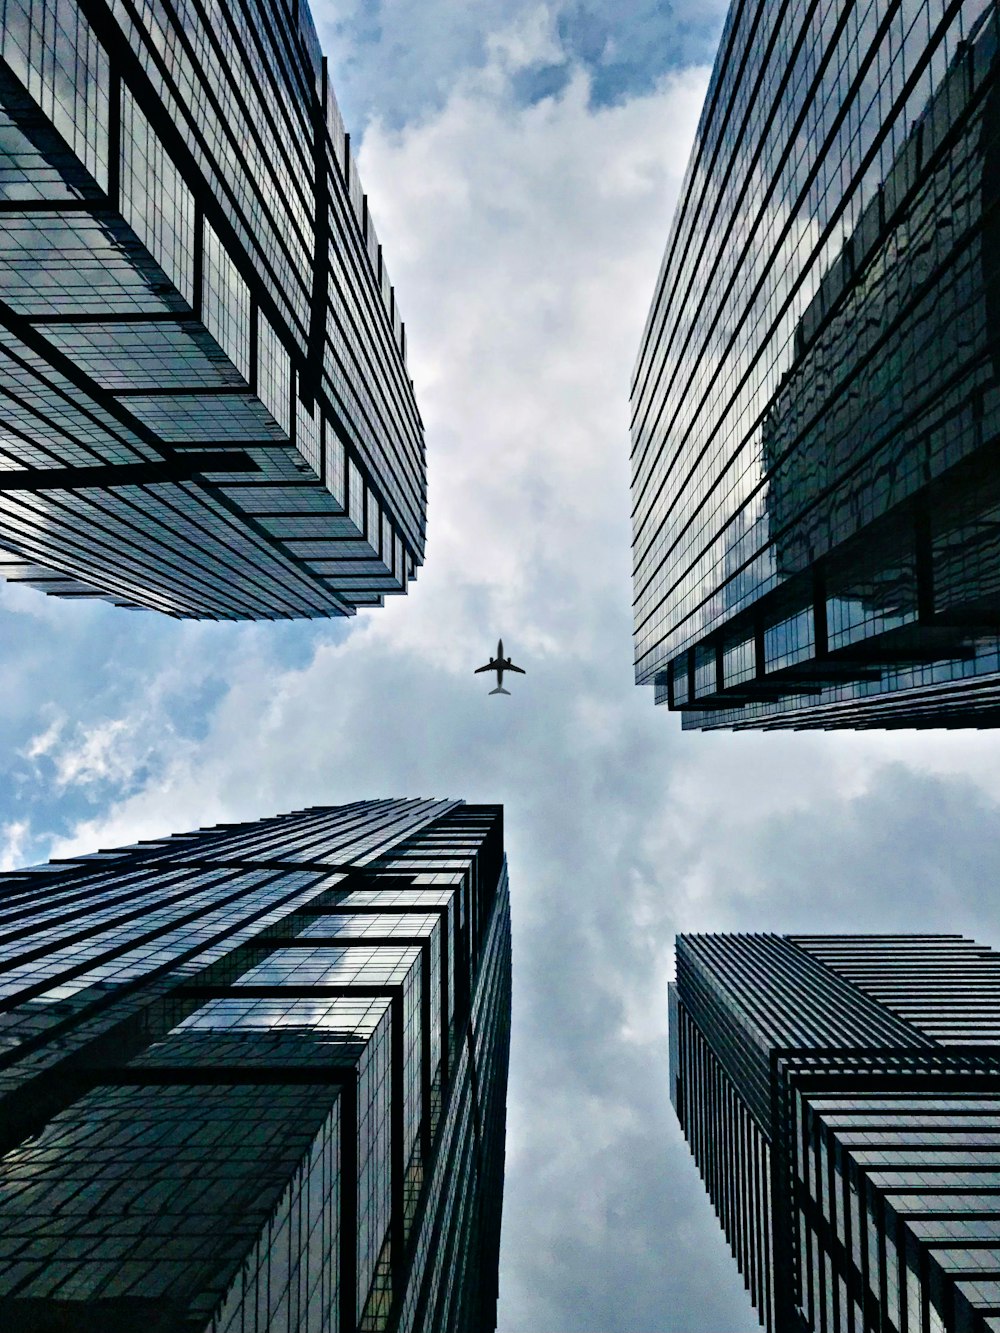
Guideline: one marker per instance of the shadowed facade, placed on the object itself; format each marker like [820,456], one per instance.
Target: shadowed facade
[254,1077]
[204,401]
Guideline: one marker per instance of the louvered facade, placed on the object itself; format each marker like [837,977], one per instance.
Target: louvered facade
[254,1078]
[841,1097]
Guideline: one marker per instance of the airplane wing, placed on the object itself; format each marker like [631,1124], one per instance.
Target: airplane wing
[511,667]
[490,666]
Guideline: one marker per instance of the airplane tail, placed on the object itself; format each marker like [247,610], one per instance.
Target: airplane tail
[499,690]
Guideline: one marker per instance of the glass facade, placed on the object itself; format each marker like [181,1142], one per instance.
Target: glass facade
[841,1096]
[253,1078]
[816,401]
[204,401]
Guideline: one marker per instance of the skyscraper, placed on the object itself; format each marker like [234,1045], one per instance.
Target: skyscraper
[816,401]
[204,401]
[841,1096]
[254,1077]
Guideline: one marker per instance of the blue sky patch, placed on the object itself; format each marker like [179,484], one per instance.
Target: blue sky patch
[398,60]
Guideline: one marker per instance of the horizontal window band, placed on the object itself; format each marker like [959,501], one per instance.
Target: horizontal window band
[276,991]
[114,317]
[183,468]
[189,391]
[347,941]
[143,1075]
[380,909]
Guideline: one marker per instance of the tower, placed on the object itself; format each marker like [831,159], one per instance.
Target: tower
[255,1077]
[841,1097]
[816,400]
[204,398]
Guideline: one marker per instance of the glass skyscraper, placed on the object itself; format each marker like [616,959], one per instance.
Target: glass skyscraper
[841,1097]
[204,401]
[253,1078]
[816,401]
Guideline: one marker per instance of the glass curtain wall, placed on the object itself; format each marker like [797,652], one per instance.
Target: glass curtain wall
[254,1077]
[204,400]
[840,1097]
[816,400]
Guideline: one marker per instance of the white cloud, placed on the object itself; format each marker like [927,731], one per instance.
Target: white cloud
[531,39]
[44,742]
[13,837]
[403,59]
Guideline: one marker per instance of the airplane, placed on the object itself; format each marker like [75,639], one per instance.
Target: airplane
[500,664]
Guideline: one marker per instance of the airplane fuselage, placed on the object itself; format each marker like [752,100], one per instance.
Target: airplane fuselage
[500,664]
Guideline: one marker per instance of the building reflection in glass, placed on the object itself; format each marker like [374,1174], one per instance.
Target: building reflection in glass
[840,1097]
[817,511]
[254,1077]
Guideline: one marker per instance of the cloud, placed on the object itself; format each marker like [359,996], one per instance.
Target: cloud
[44,742]
[524,235]
[401,61]
[12,842]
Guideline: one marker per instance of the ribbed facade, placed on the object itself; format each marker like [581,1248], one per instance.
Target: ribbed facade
[841,1096]
[254,1078]
[204,401]
[816,401]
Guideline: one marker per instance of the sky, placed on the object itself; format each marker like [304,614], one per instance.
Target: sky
[522,161]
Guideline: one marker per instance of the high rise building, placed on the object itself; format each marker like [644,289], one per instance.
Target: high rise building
[841,1097]
[204,401]
[816,401]
[253,1078]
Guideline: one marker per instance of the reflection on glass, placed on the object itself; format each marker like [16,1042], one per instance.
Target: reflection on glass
[266,1065]
[816,405]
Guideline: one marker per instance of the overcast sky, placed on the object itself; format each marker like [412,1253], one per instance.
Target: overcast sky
[522,161]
